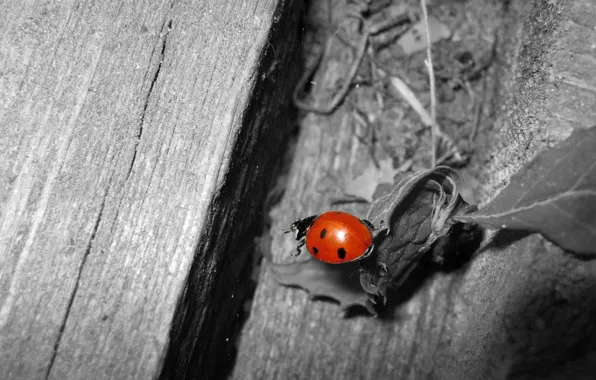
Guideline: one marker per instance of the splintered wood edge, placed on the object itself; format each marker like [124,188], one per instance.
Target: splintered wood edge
[119,128]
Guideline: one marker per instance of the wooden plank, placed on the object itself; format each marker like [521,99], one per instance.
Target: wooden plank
[517,310]
[131,138]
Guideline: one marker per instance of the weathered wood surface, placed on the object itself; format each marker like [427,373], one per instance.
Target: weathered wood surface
[523,310]
[132,144]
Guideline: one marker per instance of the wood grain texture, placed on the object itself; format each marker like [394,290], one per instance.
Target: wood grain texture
[551,90]
[522,307]
[129,137]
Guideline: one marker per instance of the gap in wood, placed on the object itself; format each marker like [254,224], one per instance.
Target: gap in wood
[203,338]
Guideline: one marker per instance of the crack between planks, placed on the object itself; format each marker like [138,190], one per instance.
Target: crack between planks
[76,287]
[165,30]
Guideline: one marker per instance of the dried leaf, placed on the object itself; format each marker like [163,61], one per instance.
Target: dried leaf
[414,40]
[382,209]
[365,184]
[555,195]
[411,219]
[339,282]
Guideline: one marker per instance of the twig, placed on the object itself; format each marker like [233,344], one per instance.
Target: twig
[402,88]
[451,152]
[308,73]
[478,104]
[341,94]
[411,99]
[431,76]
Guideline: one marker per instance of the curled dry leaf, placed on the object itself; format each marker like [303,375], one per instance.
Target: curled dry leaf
[410,220]
[555,195]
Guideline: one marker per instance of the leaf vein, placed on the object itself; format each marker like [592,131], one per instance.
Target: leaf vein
[564,212]
[538,204]
[540,179]
[581,178]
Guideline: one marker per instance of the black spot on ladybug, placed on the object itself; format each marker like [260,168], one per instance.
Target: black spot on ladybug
[338,213]
[341,253]
[323,233]
[315,250]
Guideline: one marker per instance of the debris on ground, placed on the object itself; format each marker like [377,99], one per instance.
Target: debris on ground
[381,45]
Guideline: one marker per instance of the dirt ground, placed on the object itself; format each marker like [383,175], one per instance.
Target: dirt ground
[394,135]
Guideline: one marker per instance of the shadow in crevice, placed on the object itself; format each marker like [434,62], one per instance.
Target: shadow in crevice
[461,244]
[216,300]
[504,238]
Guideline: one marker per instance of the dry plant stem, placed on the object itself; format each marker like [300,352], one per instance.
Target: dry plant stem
[308,73]
[431,76]
[413,101]
[446,156]
[341,94]
[479,103]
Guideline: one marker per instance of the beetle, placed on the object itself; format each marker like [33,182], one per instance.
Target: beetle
[334,237]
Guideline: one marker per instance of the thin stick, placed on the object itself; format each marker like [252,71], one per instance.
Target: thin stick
[431,77]
[402,88]
[478,104]
[341,94]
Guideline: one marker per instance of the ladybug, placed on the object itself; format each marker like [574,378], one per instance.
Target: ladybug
[334,237]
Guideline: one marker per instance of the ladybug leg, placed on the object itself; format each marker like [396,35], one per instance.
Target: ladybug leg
[368,252]
[298,251]
[369,224]
[299,229]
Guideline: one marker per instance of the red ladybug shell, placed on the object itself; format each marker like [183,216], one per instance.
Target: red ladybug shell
[337,237]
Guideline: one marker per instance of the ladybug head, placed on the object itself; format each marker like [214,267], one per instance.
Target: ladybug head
[300,227]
